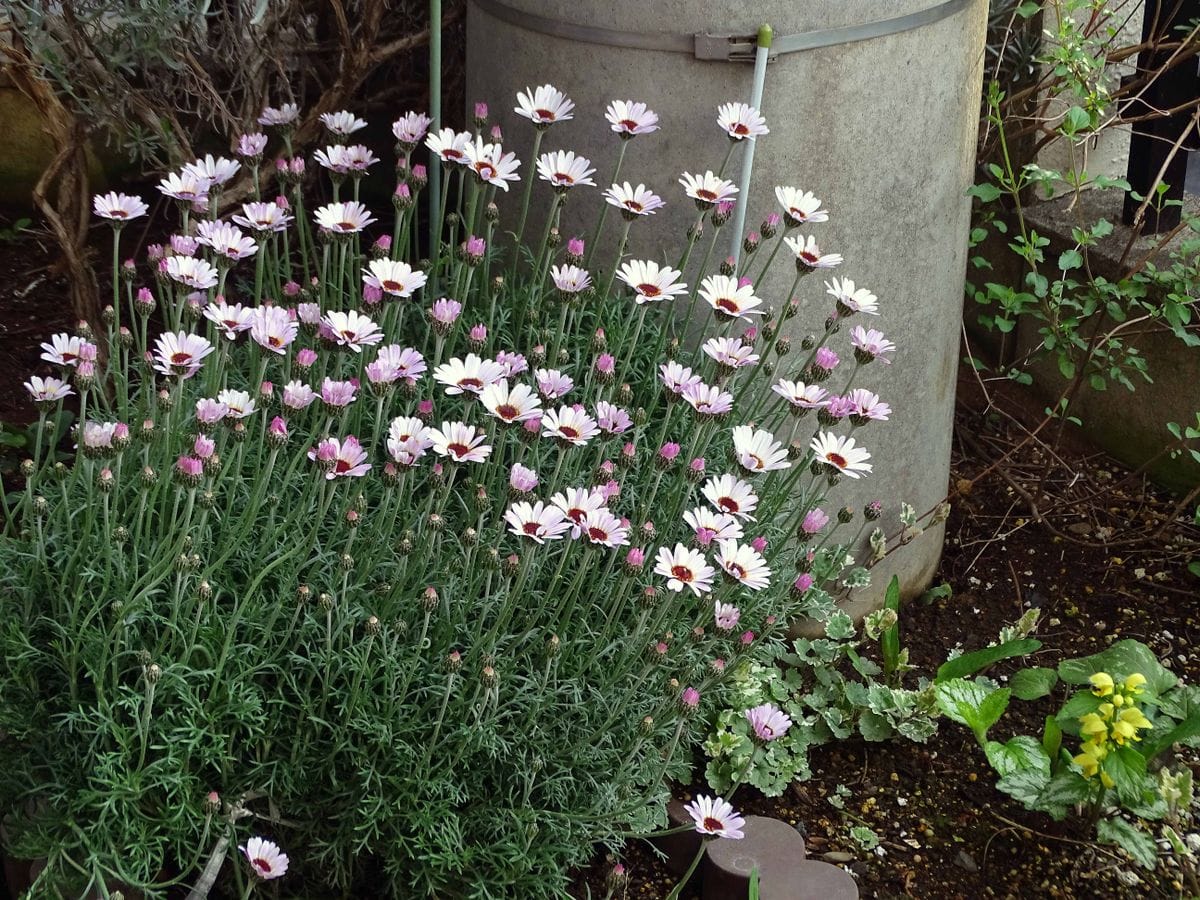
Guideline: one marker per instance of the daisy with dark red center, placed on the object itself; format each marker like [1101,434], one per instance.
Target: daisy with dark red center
[543,106]
[395,278]
[731,495]
[577,503]
[708,400]
[190,272]
[266,860]
[180,353]
[491,164]
[185,187]
[839,455]
[408,439]
[63,350]
[517,404]
[741,121]
[352,329]
[651,282]
[629,118]
[569,424]
[743,564]
[800,206]
[730,353]
[537,521]
[407,361]
[273,329]
[470,375]
[684,567]
[603,528]
[341,458]
[758,451]
[238,404]
[708,189]
[226,240]
[263,217]
[230,320]
[343,218]
[460,442]
[449,145]
[565,170]
[809,255]
[633,201]
[800,395]
[714,816]
[712,526]
[768,722]
[118,208]
[730,298]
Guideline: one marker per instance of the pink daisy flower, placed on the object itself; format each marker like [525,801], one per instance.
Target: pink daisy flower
[714,816]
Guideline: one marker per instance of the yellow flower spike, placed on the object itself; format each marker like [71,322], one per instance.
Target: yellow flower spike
[1102,684]
[1091,725]
[1135,717]
[1123,731]
[1088,763]
[1133,684]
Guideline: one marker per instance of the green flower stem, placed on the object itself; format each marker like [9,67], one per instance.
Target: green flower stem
[520,232]
[687,876]
[604,207]
[621,245]
[762,273]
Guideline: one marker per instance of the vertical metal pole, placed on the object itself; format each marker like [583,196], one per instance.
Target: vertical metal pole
[765,34]
[435,112]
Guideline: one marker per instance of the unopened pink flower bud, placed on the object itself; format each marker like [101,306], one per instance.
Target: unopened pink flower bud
[306,357]
[759,543]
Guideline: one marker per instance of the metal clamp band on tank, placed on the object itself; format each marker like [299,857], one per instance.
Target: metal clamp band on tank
[718,47]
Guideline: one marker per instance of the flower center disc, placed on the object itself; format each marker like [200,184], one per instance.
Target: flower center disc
[457,450]
[711,824]
[728,504]
[836,459]
[683,573]
[649,290]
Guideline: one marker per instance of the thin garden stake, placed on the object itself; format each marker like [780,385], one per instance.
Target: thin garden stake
[435,111]
[765,33]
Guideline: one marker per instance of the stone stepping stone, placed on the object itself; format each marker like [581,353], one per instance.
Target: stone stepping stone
[776,849]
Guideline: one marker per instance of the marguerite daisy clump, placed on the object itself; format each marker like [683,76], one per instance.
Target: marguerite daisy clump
[335,516]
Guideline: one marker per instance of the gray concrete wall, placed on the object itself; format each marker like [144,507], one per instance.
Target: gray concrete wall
[883,131]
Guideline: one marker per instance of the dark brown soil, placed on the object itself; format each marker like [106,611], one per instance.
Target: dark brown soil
[946,831]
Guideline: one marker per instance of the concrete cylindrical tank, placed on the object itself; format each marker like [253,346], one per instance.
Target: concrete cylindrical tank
[881,127]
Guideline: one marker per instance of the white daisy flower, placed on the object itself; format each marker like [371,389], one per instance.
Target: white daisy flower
[757,450]
[741,121]
[729,494]
[729,298]
[684,567]
[629,118]
[800,206]
[743,564]
[565,170]
[650,281]
[543,106]
[840,455]
[470,375]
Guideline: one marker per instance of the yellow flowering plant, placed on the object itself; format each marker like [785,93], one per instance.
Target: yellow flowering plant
[1126,711]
